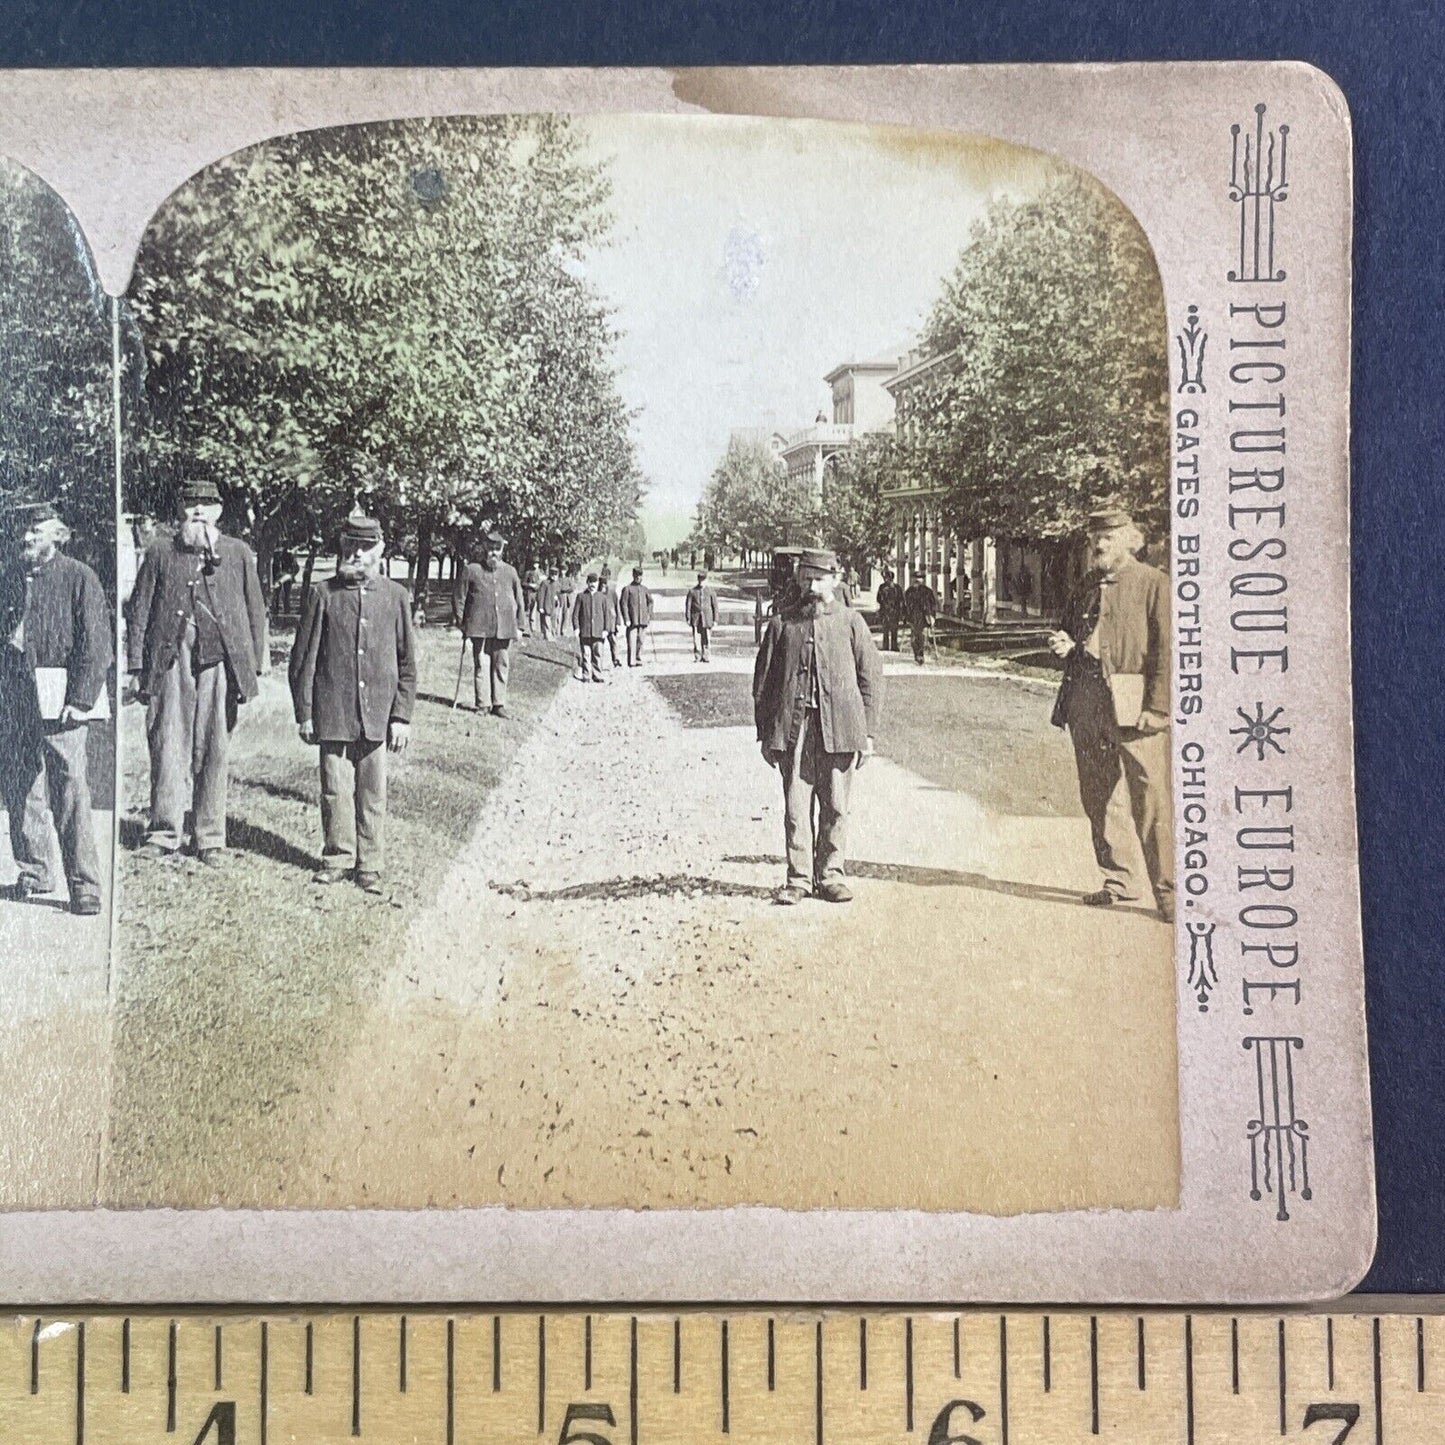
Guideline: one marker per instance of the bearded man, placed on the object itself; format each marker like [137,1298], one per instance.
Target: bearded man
[487,605]
[817,700]
[195,643]
[353,685]
[52,685]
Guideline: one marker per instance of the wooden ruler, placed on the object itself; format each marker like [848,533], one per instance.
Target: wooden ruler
[746,1377]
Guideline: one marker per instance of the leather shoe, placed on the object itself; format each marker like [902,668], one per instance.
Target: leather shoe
[85,905]
[327,876]
[1103,898]
[790,894]
[500,712]
[833,892]
[210,857]
[155,853]
[369,883]
[24,889]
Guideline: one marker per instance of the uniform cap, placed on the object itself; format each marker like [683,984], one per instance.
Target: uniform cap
[197,491]
[358,527]
[593,577]
[637,572]
[818,560]
[702,576]
[28,514]
[495,539]
[1108,519]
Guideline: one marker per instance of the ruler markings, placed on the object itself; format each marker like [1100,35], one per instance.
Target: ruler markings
[496,1354]
[1140,1352]
[541,1373]
[356,1374]
[1379,1390]
[724,1364]
[1003,1378]
[80,1380]
[632,1371]
[265,1378]
[908,1373]
[1094,1374]
[1048,1359]
[1189,1379]
[171,1379]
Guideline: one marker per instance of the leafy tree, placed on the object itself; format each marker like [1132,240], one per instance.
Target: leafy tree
[857,522]
[56,426]
[1054,392]
[393,312]
[750,504]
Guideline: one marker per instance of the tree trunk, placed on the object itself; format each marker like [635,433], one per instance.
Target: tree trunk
[306,572]
[423,564]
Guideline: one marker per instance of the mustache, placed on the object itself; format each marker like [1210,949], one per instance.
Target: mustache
[200,535]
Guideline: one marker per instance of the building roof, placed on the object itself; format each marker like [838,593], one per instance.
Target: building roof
[884,361]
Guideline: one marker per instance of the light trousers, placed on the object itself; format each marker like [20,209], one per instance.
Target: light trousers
[817,847]
[353,805]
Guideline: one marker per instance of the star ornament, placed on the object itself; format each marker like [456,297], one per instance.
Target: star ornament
[1259,732]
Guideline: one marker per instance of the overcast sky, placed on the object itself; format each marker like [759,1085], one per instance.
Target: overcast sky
[750,257]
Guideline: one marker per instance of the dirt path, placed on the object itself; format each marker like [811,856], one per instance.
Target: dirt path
[604,1007]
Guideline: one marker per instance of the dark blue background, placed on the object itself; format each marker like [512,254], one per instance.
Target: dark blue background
[1388,58]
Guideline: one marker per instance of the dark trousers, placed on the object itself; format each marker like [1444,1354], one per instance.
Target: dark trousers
[353,805]
[700,636]
[589,656]
[815,855]
[1124,787]
[918,626]
[45,782]
[890,634]
[635,636]
[612,647]
[529,607]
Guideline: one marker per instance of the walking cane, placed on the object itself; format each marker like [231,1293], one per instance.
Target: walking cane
[461,667]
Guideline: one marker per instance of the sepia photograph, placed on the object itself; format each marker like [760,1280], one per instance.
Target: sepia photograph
[646,676]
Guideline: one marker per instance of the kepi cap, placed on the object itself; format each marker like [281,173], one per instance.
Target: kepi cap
[495,539]
[593,577]
[1108,519]
[818,560]
[358,527]
[637,571]
[28,514]
[197,491]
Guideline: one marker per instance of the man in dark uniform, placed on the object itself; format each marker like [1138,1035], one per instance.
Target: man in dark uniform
[353,685]
[890,610]
[567,590]
[700,614]
[1114,700]
[636,606]
[548,596]
[487,606]
[589,619]
[817,699]
[921,604]
[56,653]
[195,642]
[531,585]
[608,589]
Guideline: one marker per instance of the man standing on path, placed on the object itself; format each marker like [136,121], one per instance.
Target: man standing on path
[636,604]
[567,590]
[890,610]
[921,604]
[487,606]
[589,618]
[195,642]
[817,698]
[614,613]
[548,595]
[700,614]
[1114,700]
[52,685]
[353,685]
[531,585]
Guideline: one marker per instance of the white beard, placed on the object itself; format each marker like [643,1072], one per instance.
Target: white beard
[200,536]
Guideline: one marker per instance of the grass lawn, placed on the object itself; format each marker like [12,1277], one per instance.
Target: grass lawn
[987,737]
[247,974]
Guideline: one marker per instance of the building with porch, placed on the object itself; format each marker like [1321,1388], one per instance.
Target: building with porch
[861,402]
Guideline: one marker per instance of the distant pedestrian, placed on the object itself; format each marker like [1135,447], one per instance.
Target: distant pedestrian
[608,589]
[890,610]
[567,591]
[487,607]
[531,586]
[353,687]
[549,601]
[700,614]
[54,657]
[195,642]
[1114,700]
[636,605]
[589,619]
[920,603]
[817,700]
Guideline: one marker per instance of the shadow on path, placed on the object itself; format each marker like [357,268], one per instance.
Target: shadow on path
[242,836]
[921,877]
[663,885]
